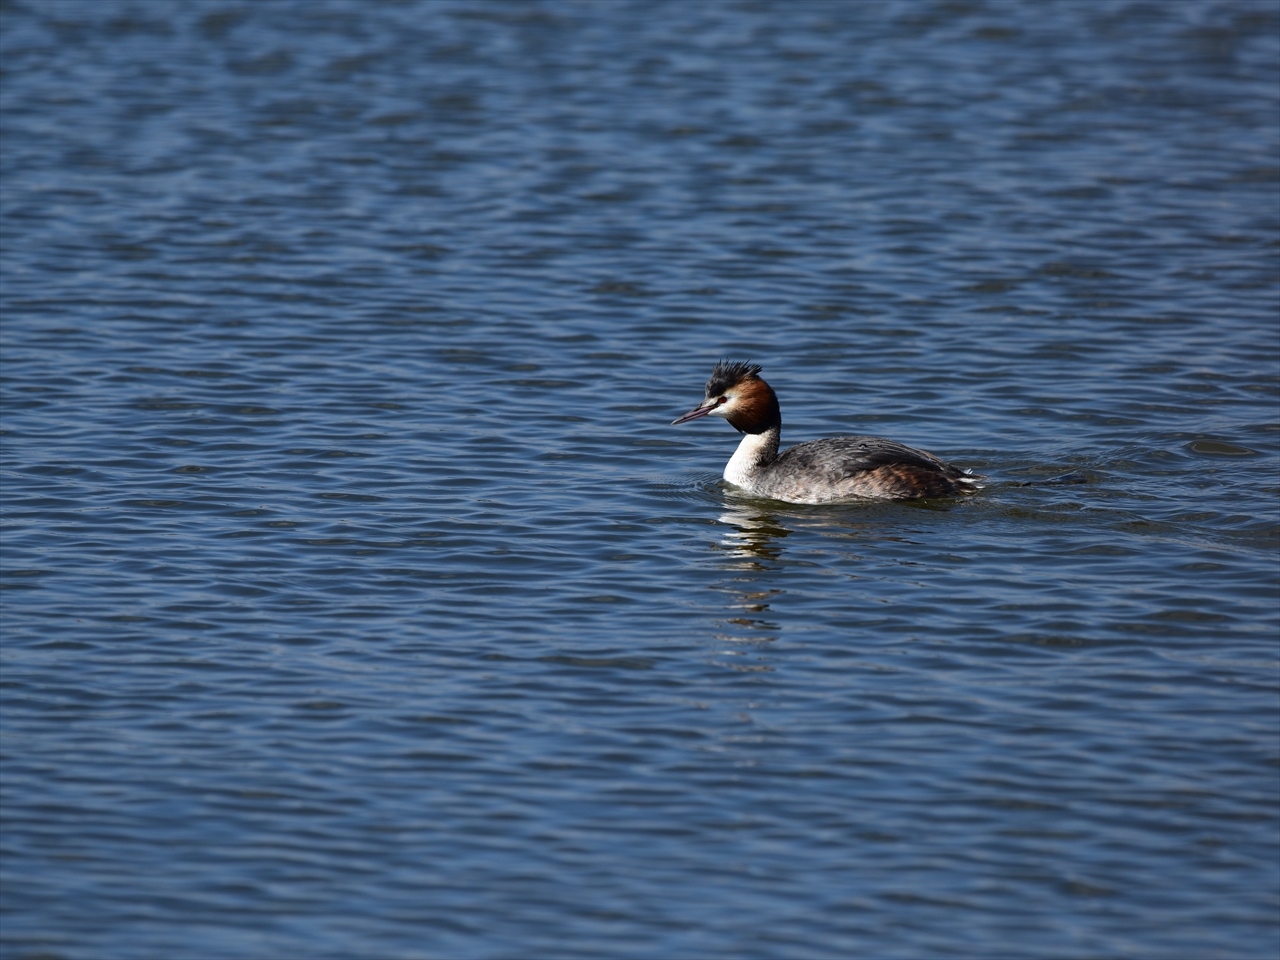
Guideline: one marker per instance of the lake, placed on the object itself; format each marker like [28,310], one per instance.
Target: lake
[361,600]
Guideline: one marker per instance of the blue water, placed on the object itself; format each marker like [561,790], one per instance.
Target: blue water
[360,600]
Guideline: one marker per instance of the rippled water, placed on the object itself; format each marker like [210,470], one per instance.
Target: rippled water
[361,601]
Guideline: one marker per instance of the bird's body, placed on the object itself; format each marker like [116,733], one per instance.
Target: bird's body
[820,471]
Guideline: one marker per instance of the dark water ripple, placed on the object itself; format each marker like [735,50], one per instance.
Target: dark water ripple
[358,599]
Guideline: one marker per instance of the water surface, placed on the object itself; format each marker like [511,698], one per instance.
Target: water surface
[361,601]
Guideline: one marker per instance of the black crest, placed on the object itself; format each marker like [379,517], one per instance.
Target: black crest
[730,373]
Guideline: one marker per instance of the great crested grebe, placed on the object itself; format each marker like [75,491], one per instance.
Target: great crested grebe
[837,468]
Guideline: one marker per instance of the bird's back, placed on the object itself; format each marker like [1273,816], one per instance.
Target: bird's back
[840,468]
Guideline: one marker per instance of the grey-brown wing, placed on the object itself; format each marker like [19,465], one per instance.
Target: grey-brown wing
[841,457]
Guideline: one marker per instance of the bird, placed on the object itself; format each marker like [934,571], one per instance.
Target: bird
[819,471]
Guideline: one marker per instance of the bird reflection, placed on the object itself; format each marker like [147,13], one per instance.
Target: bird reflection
[750,543]
[752,534]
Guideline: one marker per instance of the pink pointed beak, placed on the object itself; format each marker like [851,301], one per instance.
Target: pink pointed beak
[697,412]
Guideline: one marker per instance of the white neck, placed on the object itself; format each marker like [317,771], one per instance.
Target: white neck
[755,452]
